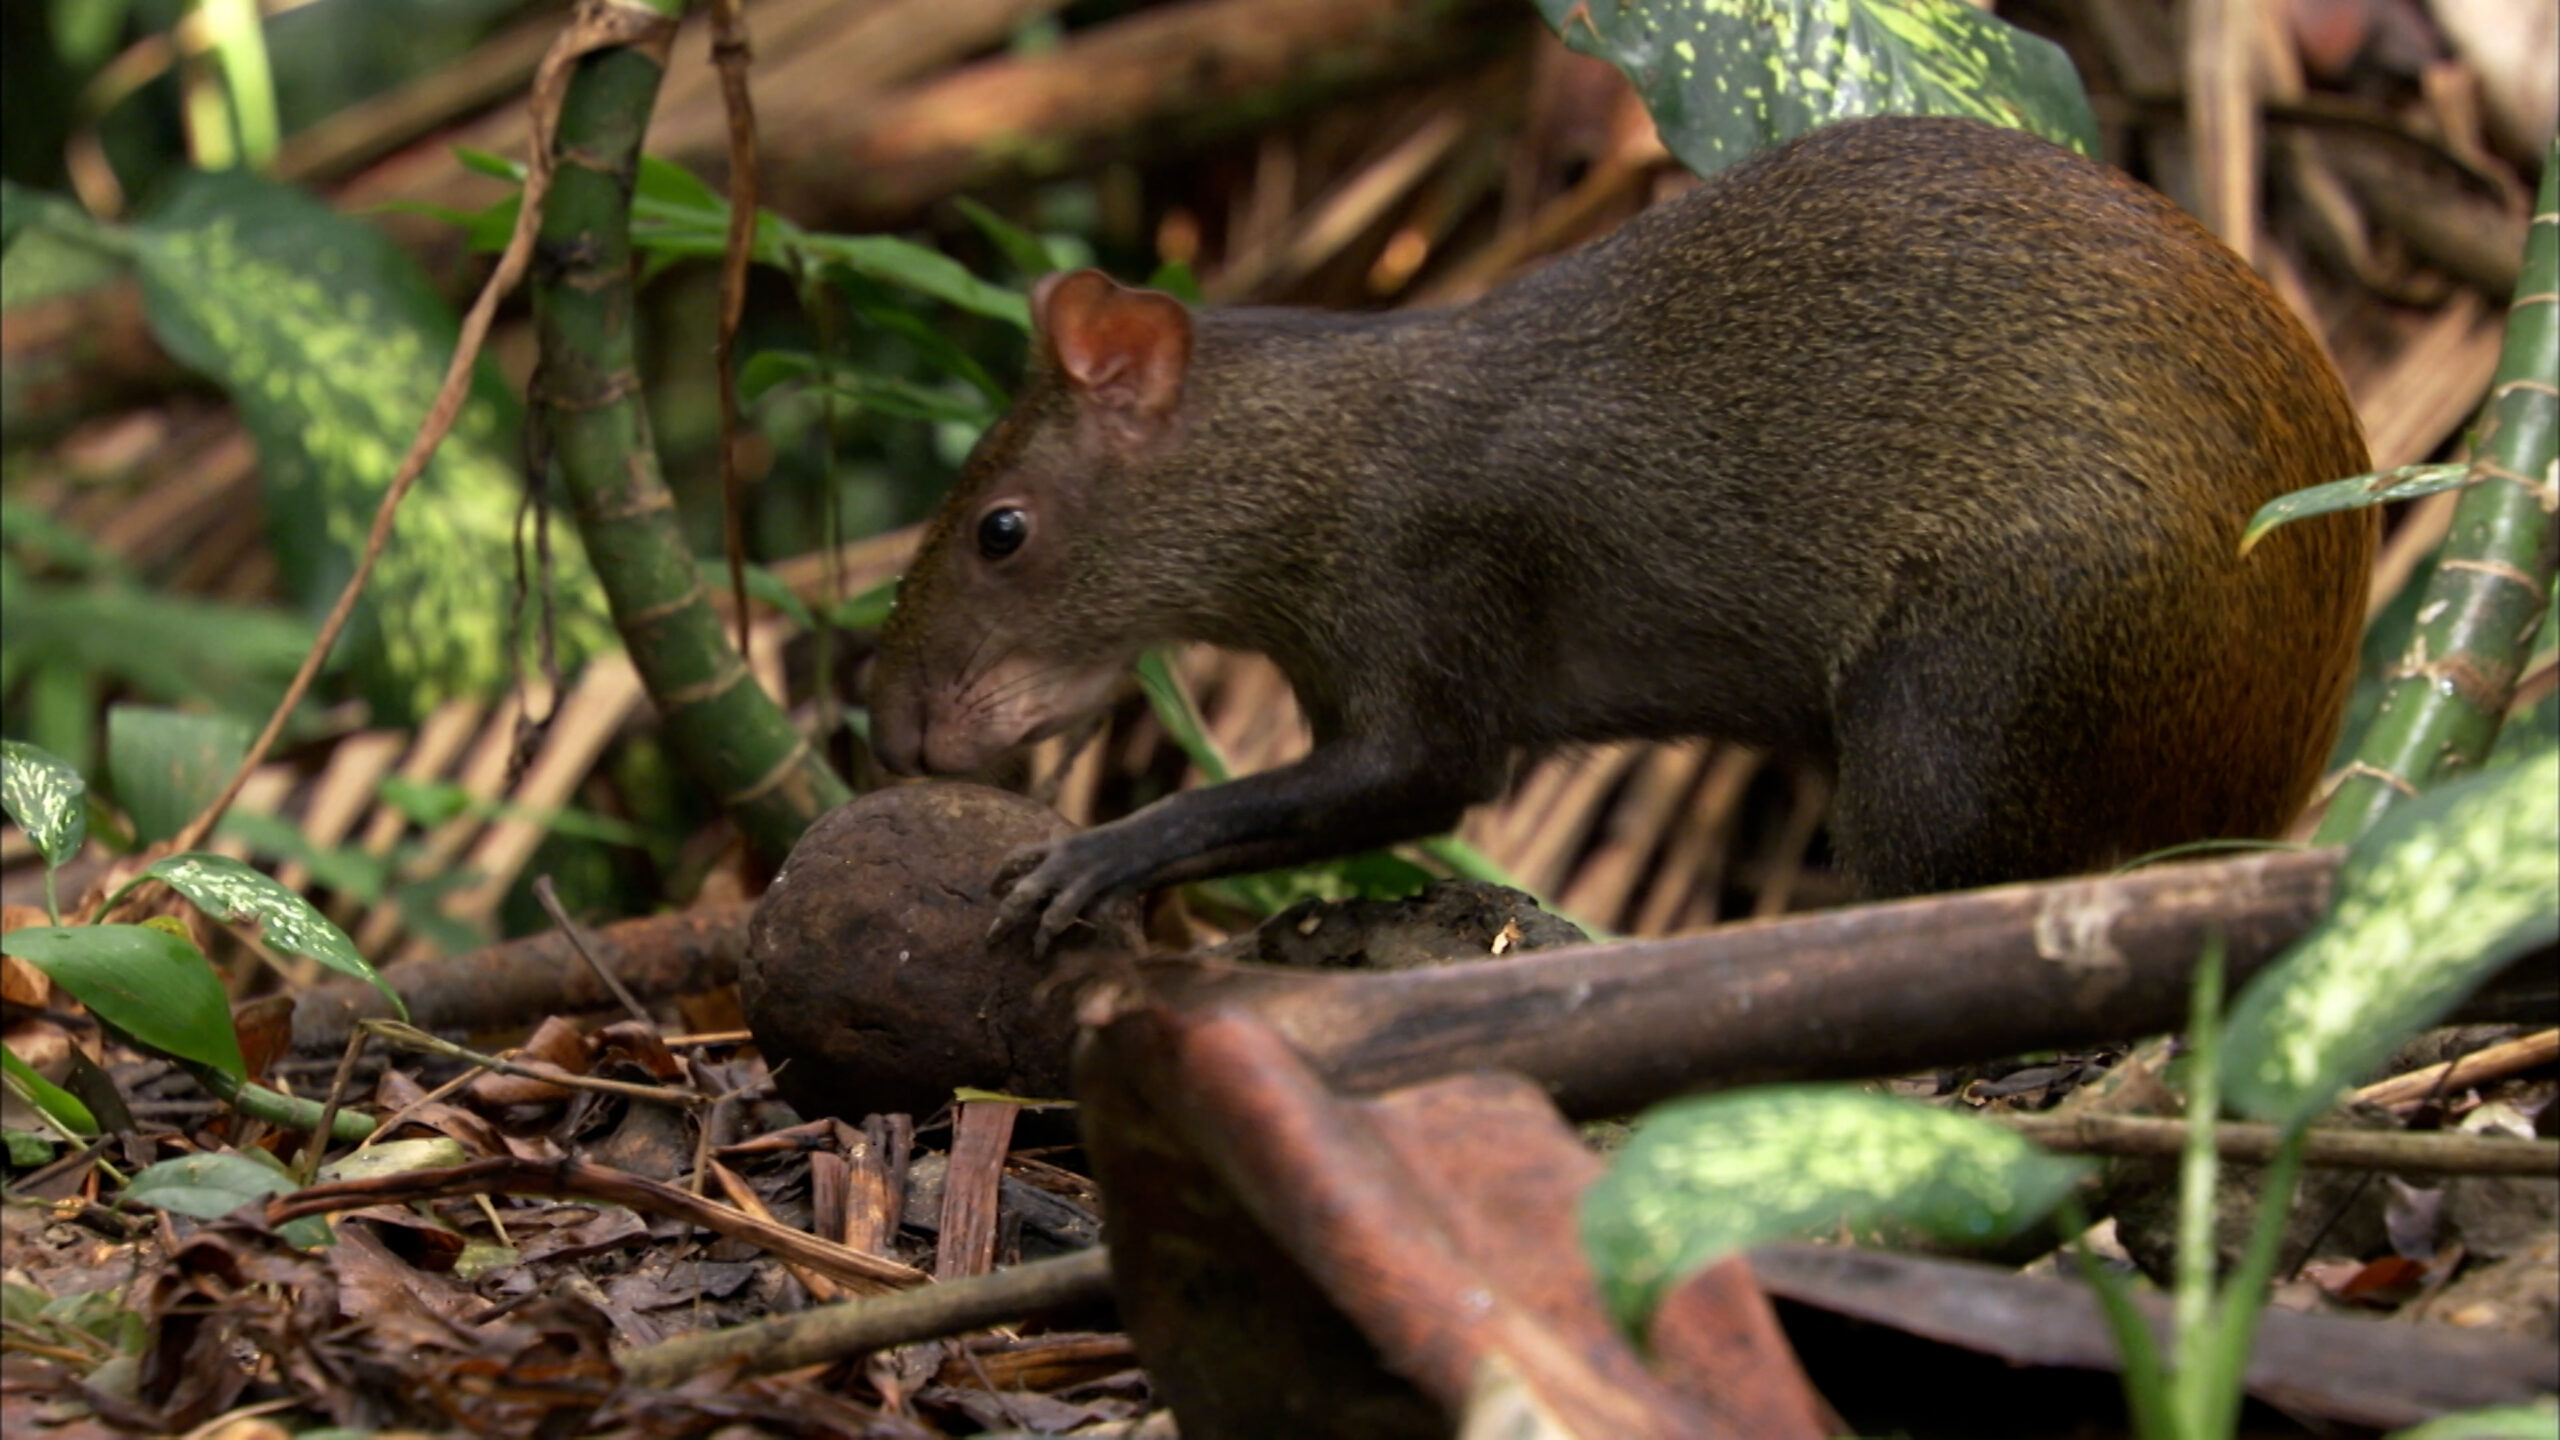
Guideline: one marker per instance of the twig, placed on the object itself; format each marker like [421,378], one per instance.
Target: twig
[506,1175]
[2493,1062]
[859,1327]
[2406,1152]
[319,1146]
[413,1038]
[821,1289]
[576,935]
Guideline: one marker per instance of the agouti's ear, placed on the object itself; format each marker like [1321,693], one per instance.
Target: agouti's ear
[1123,350]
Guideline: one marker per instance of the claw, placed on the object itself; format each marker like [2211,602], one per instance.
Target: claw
[1021,862]
[1018,897]
[1040,883]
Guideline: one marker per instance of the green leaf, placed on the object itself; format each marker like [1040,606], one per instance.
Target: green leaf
[884,394]
[1725,79]
[156,647]
[395,1157]
[331,343]
[1175,279]
[1375,873]
[21,1304]
[46,797]
[209,1185]
[2431,901]
[53,543]
[2356,492]
[1179,717]
[146,982]
[489,163]
[1028,252]
[484,231]
[2507,1422]
[102,1314]
[428,803]
[86,33]
[233,892]
[674,190]
[46,261]
[920,268]
[1708,1177]
[933,343]
[217,1183]
[167,765]
[27,1150]
[868,610]
[1469,863]
[60,1107]
[25,210]
[767,588]
[346,869]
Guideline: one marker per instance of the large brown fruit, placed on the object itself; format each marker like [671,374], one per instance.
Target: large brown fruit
[868,978]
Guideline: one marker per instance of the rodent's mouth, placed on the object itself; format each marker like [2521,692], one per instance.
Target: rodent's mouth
[949,751]
[1015,702]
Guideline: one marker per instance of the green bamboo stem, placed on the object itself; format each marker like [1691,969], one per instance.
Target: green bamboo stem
[2492,581]
[720,725]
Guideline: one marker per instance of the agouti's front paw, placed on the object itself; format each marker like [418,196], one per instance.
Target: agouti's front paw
[1044,889]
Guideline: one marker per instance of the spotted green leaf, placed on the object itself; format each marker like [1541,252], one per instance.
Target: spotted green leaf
[332,344]
[53,247]
[233,892]
[46,797]
[2356,492]
[2441,892]
[150,984]
[1708,1177]
[1728,78]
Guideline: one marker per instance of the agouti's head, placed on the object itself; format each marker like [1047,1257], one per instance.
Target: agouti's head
[1015,619]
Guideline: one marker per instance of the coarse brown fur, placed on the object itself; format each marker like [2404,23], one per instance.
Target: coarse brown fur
[1916,447]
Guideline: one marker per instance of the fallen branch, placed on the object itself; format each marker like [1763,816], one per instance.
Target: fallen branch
[1847,994]
[518,981]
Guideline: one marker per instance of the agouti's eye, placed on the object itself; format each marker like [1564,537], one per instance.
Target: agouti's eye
[1002,530]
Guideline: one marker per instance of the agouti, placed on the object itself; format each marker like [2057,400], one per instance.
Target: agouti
[1919,448]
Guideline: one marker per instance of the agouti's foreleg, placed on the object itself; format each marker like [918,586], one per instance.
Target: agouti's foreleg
[1348,794]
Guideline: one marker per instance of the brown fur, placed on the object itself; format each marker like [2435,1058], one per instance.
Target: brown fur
[1916,447]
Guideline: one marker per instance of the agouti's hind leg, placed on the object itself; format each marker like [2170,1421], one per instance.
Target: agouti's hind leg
[1949,778]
